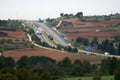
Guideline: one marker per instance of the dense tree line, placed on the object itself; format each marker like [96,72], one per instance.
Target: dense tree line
[111,66]
[78,15]
[70,49]
[3,22]
[3,34]
[11,25]
[82,41]
[111,46]
[3,41]
[30,31]
[44,68]
[42,65]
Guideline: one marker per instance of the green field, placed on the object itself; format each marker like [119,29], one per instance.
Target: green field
[90,78]
[79,78]
[107,78]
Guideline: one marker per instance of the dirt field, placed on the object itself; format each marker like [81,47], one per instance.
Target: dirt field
[93,34]
[90,29]
[78,23]
[111,22]
[58,56]
[82,29]
[20,35]
[15,33]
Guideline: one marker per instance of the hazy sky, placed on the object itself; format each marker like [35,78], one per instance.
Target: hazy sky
[34,9]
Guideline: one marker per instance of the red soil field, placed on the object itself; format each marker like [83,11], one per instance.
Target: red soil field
[13,38]
[15,33]
[93,34]
[87,24]
[81,29]
[111,22]
[76,23]
[101,23]
[20,35]
[57,55]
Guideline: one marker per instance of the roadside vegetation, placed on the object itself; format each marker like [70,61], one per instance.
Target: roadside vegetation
[99,32]
[13,35]
[44,68]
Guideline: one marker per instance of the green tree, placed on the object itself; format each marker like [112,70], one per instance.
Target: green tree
[117,38]
[8,70]
[75,50]
[1,51]
[65,66]
[82,41]
[9,41]
[22,62]
[109,65]
[117,74]
[24,74]
[53,69]
[112,65]
[62,14]
[66,62]
[118,50]
[8,76]
[107,17]
[78,68]
[79,15]
[87,67]
[94,41]
[7,62]
[45,76]
[31,31]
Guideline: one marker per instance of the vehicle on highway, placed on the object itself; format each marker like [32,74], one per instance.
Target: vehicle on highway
[38,32]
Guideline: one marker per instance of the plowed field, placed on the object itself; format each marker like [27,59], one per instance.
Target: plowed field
[93,34]
[57,55]
[19,35]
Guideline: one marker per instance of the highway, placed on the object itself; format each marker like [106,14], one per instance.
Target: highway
[56,37]
[97,54]
[59,40]
[42,38]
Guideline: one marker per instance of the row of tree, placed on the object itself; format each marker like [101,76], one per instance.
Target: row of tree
[111,46]
[11,25]
[78,15]
[44,68]
[3,34]
[59,47]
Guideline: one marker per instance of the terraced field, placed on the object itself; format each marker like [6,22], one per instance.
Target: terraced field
[85,29]
[19,35]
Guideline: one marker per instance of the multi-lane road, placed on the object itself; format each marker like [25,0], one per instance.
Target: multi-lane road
[56,38]
[37,25]
[42,37]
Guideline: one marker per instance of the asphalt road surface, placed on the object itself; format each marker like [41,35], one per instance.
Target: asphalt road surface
[53,34]
[42,38]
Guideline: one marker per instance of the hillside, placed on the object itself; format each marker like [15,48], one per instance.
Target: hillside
[101,32]
[57,55]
